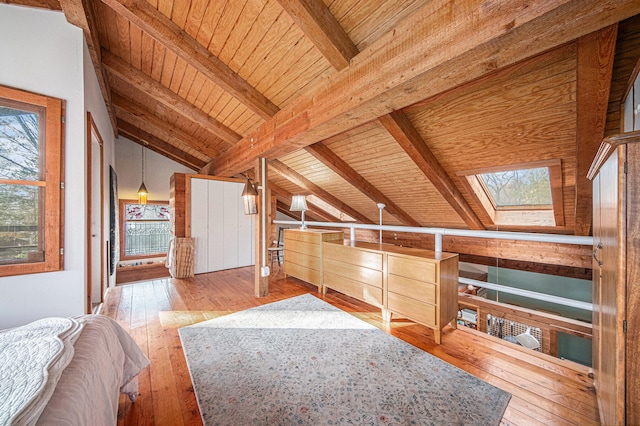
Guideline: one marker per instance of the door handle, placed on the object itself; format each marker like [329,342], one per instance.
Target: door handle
[595,254]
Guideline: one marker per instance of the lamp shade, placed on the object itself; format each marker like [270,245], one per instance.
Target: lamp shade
[298,203]
[249,195]
[142,194]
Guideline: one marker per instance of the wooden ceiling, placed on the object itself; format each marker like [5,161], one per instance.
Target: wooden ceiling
[362,101]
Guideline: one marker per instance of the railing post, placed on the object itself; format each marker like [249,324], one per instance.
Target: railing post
[438,242]
[352,233]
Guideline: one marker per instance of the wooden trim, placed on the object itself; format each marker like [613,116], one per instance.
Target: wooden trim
[52,225]
[42,4]
[121,203]
[316,21]
[327,157]
[22,182]
[174,38]
[608,145]
[594,68]
[91,130]
[402,130]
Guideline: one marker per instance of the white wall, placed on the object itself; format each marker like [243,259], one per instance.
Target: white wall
[157,171]
[42,53]
[94,103]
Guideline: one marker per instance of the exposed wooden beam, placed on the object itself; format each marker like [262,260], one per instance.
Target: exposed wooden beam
[174,38]
[339,166]
[158,145]
[400,127]
[596,52]
[81,14]
[139,116]
[313,209]
[307,185]
[316,21]
[445,44]
[41,4]
[142,82]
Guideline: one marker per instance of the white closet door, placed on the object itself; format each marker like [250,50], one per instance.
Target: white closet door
[199,224]
[231,223]
[216,225]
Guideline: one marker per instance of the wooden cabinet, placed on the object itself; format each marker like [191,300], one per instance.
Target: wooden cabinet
[303,253]
[421,285]
[616,273]
[355,271]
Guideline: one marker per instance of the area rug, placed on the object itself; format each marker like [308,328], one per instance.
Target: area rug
[302,361]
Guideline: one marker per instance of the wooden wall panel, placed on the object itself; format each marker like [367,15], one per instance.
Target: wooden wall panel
[525,113]
[626,57]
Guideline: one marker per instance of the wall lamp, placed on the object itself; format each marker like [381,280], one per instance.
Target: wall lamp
[299,204]
[249,194]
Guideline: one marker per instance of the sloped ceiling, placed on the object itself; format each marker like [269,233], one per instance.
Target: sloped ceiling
[361,101]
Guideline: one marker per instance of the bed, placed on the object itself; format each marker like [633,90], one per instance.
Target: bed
[67,371]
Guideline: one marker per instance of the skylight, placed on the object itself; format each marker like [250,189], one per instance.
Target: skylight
[525,188]
[518,195]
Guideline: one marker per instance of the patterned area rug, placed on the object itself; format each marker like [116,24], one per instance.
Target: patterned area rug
[302,361]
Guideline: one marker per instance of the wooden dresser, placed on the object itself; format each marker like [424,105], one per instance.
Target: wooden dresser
[421,285]
[303,253]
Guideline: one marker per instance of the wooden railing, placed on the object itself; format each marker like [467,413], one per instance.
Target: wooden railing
[549,324]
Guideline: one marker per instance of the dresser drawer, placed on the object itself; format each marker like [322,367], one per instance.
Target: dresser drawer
[357,289]
[309,249]
[416,268]
[424,292]
[306,274]
[417,311]
[353,272]
[302,260]
[353,256]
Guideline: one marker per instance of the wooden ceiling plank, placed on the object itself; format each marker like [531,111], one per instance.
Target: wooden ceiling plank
[136,115]
[158,145]
[313,209]
[339,166]
[142,82]
[153,22]
[40,4]
[316,21]
[307,185]
[395,71]
[81,14]
[594,68]
[399,126]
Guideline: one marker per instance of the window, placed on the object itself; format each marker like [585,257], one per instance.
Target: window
[146,229]
[521,194]
[30,182]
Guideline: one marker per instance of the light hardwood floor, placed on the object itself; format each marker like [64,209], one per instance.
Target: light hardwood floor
[545,390]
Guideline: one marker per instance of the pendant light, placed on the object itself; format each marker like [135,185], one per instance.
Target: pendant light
[142,191]
[249,195]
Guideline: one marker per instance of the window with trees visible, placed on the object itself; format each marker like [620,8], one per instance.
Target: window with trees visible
[31,144]
[521,194]
[145,229]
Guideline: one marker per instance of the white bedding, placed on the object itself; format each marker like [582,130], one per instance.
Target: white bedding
[32,358]
[105,362]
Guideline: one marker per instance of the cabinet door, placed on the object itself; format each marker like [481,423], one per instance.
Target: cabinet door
[199,224]
[607,340]
[230,213]
[216,225]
